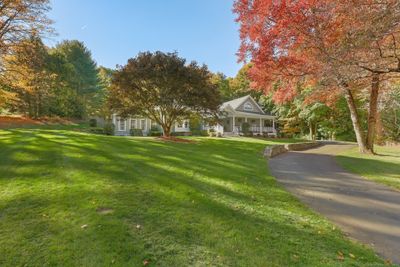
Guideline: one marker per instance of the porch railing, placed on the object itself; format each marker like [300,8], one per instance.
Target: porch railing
[256,129]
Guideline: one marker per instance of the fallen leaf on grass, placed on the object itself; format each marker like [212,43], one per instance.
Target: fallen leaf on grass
[146,262]
[84,226]
[388,262]
[352,256]
[340,256]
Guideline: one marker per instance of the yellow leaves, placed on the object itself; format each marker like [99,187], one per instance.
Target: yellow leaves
[341,256]
[388,262]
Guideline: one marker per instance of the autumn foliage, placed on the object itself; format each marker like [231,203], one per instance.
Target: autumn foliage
[338,47]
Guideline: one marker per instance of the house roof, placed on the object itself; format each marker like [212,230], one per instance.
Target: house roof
[235,103]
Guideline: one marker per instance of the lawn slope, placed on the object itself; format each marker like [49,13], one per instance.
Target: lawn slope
[382,168]
[75,199]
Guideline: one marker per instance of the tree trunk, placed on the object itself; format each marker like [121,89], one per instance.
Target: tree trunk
[311,130]
[372,114]
[355,119]
[166,130]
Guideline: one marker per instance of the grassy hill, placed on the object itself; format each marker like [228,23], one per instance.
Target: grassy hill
[75,199]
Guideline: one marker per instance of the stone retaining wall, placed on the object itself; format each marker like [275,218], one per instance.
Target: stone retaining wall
[272,151]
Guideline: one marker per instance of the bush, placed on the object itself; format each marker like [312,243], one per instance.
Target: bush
[155,128]
[155,133]
[195,123]
[246,129]
[109,128]
[93,123]
[181,133]
[203,133]
[212,132]
[136,132]
[200,132]
[96,130]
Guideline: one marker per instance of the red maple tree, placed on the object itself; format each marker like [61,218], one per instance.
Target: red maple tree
[339,46]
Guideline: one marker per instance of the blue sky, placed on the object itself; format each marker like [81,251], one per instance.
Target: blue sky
[201,30]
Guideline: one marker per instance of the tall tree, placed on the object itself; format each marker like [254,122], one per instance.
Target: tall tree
[336,45]
[222,82]
[98,105]
[83,73]
[19,20]
[390,114]
[162,87]
[28,76]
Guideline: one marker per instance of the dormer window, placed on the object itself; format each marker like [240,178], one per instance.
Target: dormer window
[248,106]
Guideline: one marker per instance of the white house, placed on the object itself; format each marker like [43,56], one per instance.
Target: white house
[233,114]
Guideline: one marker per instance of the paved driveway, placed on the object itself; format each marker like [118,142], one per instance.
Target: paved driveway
[366,211]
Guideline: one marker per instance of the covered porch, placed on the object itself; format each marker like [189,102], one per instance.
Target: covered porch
[258,124]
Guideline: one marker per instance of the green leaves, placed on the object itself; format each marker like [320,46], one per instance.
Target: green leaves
[162,87]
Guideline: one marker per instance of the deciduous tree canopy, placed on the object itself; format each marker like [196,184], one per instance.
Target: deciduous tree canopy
[19,20]
[164,88]
[339,46]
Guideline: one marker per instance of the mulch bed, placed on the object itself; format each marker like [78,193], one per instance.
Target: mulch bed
[18,121]
[10,121]
[175,139]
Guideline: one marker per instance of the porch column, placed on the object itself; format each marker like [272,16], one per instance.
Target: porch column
[233,124]
[273,125]
[245,119]
[260,126]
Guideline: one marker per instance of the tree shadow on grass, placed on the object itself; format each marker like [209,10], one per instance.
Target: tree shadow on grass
[207,203]
[371,167]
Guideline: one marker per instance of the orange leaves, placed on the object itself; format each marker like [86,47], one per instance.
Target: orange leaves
[331,42]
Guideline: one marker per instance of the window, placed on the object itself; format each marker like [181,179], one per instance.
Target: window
[133,124]
[143,124]
[121,125]
[248,106]
[186,124]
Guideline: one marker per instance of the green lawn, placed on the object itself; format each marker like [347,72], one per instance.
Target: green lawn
[383,167]
[75,199]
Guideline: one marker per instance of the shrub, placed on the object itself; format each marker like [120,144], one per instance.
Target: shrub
[212,133]
[195,123]
[93,123]
[203,133]
[246,129]
[155,133]
[109,128]
[155,128]
[200,132]
[181,133]
[96,130]
[136,132]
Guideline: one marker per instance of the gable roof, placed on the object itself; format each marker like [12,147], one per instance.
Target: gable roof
[236,103]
